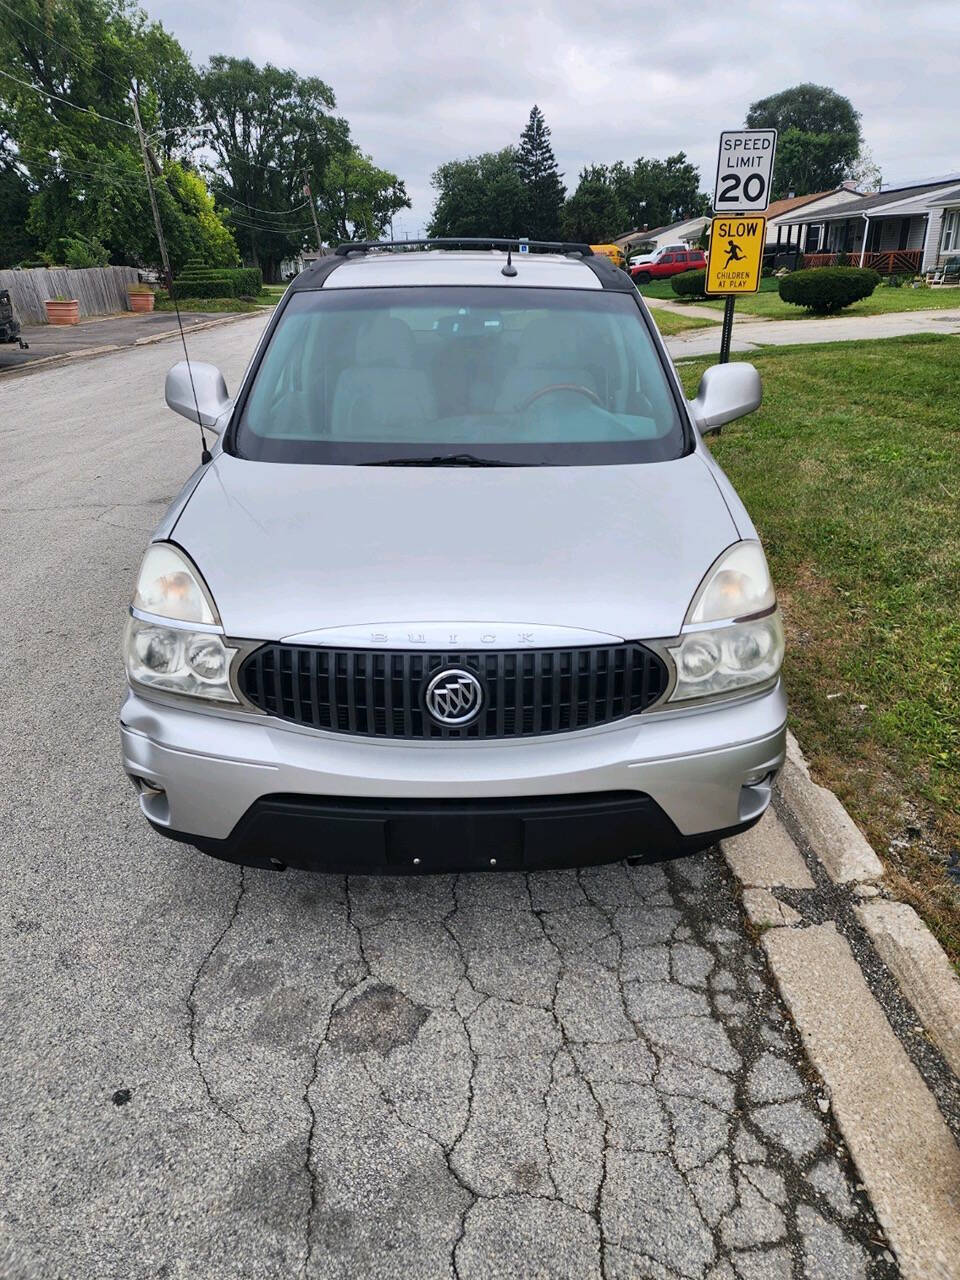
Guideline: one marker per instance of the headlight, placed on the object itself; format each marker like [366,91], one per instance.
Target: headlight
[737,586]
[746,653]
[176,658]
[171,587]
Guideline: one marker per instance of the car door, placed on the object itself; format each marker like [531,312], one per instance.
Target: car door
[663,267]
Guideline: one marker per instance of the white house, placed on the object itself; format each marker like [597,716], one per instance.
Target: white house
[649,240]
[896,230]
[947,208]
[782,234]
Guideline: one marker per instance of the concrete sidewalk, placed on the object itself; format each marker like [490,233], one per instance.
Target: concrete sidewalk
[749,335]
[104,333]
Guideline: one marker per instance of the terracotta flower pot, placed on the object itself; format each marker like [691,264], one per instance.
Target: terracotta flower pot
[141,301]
[62,311]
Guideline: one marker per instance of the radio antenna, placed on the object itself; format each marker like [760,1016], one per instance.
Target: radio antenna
[148,156]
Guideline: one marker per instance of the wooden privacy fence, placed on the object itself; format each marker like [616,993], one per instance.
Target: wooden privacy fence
[99,290]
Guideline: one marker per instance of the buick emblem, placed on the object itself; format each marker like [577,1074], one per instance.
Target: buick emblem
[454,696]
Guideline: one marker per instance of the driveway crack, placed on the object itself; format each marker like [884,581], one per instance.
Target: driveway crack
[192,1010]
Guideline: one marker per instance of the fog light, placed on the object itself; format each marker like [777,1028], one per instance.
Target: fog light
[756,776]
[145,787]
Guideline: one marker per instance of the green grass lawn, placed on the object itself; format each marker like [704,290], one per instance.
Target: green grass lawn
[669,323]
[881,301]
[851,471]
[269,296]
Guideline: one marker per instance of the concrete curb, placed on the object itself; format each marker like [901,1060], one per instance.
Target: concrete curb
[907,1156]
[914,957]
[897,1137]
[834,837]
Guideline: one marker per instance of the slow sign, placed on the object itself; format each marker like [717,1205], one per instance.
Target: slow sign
[744,170]
[736,255]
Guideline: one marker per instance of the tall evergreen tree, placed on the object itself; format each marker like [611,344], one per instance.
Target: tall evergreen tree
[542,181]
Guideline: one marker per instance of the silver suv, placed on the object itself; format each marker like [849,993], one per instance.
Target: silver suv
[460,586]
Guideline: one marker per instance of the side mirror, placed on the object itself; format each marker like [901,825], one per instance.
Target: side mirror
[208,386]
[726,392]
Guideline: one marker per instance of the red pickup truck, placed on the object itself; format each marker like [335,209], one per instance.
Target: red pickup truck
[668,262]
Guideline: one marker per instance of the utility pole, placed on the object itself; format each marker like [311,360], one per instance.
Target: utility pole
[153,198]
[313,212]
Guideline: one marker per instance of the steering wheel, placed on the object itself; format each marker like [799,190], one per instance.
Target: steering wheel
[562,386]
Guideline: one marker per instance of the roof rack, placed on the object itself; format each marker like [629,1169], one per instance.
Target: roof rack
[472,242]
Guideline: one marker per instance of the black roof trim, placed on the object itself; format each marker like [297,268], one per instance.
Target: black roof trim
[469,242]
[609,275]
[313,276]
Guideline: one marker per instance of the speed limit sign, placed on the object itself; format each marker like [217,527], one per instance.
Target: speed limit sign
[744,170]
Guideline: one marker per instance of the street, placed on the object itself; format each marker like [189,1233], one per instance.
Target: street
[210,1072]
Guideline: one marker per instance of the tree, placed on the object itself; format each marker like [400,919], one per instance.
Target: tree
[542,182]
[610,200]
[359,199]
[864,172]
[594,214]
[481,196]
[655,193]
[269,130]
[15,243]
[819,137]
[67,131]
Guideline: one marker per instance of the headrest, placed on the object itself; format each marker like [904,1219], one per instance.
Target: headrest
[550,342]
[386,342]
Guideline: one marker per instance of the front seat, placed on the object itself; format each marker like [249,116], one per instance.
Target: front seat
[382,395]
[550,354]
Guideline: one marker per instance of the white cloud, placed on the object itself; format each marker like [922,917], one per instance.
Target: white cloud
[422,83]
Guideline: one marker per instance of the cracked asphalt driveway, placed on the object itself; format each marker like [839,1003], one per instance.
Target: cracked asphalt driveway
[209,1072]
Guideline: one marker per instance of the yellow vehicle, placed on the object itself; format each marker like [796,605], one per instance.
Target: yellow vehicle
[613,252]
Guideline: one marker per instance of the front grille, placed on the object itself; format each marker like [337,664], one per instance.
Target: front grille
[380,694]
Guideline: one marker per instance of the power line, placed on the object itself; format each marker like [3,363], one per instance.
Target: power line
[59,43]
[121,177]
[277,228]
[56,96]
[280,213]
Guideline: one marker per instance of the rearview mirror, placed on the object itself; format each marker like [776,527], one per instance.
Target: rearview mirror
[207,392]
[726,392]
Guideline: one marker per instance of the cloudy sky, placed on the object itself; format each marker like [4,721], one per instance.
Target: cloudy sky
[421,83]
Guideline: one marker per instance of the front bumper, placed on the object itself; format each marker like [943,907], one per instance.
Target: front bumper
[254,789]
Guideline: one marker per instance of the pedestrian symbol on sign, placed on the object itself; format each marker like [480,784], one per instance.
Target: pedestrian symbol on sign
[733,254]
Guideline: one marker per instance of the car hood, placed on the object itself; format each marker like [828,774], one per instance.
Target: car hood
[618,550]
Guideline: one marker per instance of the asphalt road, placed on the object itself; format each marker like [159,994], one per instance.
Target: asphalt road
[215,1073]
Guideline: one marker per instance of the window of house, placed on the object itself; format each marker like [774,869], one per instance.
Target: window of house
[950,236]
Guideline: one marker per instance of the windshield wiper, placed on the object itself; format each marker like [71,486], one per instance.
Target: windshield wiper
[442,460]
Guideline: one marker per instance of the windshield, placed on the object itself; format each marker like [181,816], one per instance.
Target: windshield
[511,375]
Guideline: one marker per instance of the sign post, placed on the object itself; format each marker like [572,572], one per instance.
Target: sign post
[744,174]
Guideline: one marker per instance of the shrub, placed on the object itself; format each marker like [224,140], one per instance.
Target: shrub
[825,290]
[79,252]
[690,284]
[221,286]
[247,281]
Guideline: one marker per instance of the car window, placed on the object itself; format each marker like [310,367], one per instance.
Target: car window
[667,257]
[509,374]
[681,257]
